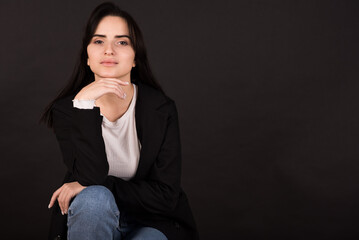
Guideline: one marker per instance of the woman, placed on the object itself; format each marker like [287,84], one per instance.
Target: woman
[119,137]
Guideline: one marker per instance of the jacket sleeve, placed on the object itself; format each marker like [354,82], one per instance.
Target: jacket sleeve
[79,135]
[159,191]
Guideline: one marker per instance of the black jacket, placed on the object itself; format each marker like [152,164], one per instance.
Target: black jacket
[153,197]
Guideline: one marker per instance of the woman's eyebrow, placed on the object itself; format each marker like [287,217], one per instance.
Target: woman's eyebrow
[117,36]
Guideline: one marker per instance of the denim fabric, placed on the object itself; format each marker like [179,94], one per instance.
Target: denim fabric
[93,214]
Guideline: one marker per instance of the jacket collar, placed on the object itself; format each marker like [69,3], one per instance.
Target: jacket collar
[150,125]
[148,100]
[148,97]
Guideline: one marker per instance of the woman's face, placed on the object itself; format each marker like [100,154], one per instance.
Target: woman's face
[110,52]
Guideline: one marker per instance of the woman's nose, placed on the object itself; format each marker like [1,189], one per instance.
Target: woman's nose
[109,50]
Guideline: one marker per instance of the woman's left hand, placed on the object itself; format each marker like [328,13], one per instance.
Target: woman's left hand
[64,194]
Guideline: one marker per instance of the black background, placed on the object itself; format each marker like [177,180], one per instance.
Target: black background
[267,99]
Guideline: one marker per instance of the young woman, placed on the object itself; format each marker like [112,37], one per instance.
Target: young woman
[119,137]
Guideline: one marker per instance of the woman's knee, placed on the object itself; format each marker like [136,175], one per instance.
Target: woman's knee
[93,211]
[94,198]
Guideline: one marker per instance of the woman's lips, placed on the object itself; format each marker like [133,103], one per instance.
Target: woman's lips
[108,63]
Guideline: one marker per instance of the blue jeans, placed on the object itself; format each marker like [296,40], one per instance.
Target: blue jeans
[93,214]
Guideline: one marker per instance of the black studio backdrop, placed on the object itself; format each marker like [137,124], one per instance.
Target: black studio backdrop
[267,94]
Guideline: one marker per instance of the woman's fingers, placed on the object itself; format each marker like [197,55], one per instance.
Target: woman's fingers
[64,195]
[66,201]
[59,194]
[116,85]
[102,86]
[124,83]
[54,197]
[116,90]
[61,202]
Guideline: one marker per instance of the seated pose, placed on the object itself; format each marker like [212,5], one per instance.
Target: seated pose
[119,137]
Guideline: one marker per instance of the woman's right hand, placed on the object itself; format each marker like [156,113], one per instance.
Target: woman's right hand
[64,194]
[101,87]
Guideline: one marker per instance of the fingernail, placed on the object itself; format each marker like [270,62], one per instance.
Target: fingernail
[48,206]
[62,212]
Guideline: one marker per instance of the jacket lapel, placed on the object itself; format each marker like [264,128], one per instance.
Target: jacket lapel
[150,126]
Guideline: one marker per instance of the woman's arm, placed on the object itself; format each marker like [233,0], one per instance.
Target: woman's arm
[159,192]
[82,147]
[79,134]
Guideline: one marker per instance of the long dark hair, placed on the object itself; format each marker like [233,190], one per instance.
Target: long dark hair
[82,74]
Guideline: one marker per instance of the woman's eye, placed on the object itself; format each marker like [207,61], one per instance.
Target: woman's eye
[98,42]
[123,43]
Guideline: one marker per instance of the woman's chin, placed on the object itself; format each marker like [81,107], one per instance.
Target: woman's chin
[107,75]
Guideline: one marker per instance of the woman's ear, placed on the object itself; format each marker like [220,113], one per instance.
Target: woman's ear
[134,63]
[88,62]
